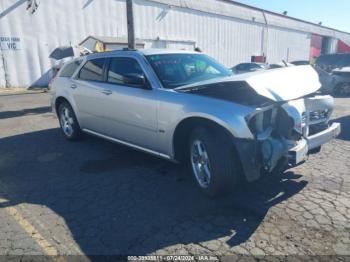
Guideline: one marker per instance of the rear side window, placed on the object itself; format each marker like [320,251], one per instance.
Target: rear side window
[92,70]
[121,67]
[69,69]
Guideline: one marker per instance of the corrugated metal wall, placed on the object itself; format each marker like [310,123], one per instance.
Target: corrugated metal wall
[227,39]
[288,45]
[229,33]
[55,23]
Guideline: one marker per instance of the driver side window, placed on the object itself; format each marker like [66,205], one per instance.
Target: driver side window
[122,67]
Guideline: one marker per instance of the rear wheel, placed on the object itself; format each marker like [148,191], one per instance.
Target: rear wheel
[68,121]
[212,160]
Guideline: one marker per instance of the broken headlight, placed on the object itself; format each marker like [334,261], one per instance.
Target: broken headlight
[275,122]
[262,121]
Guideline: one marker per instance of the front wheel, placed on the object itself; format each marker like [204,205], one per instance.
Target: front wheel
[213,162]
[68,121]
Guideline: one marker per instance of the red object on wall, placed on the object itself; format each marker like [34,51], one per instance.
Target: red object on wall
[258,58]
[316,46]
[343,47]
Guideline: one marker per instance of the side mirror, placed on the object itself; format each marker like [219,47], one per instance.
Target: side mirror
[136,80]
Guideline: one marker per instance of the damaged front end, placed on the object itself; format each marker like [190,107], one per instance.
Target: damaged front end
[289,122]
[293,125]
[285,133]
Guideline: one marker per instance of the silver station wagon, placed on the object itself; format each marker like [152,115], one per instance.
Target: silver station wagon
[188,108]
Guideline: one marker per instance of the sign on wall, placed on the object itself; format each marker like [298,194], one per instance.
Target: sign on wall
[10,43]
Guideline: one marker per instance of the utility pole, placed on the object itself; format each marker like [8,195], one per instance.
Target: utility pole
[130,22]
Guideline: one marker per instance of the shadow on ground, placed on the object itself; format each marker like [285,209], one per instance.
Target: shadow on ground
[24,112]
[345,127]
[115,200]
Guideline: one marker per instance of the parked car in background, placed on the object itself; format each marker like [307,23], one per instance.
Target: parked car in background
[280,65]
[300,62]
[248,67]
[334,73]
[337,82]
[186,107]
[332,61]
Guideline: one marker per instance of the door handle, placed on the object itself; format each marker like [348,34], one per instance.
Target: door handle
[73,86]
[107,92]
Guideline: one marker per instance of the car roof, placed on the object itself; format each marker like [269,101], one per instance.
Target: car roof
[155,51]
[150,51]
[142,52]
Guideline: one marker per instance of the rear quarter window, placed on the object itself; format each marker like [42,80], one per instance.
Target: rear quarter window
[69,69]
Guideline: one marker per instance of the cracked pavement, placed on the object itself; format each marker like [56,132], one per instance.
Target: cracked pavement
[93,197]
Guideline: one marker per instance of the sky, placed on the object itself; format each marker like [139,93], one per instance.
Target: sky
[332,13]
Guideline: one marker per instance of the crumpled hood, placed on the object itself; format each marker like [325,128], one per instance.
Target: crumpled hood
[282,84]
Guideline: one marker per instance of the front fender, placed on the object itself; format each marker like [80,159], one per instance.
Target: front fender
[234,124]
[174,108]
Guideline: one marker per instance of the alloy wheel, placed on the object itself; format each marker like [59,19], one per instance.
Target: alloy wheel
[200,163]
[67,121]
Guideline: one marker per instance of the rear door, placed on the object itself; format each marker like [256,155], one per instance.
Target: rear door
[87,89]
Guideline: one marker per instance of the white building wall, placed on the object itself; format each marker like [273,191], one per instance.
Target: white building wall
[333,45]
[229,40]
[55,23]
[286,44]
[2,71]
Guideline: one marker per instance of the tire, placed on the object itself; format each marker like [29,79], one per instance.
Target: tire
[68,121]
[218,158]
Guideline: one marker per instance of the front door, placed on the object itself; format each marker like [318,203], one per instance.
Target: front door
[130,109]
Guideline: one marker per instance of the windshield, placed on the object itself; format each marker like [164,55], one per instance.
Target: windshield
[176,70]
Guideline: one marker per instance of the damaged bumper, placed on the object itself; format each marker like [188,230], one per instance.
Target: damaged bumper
[299,153]
[323,137]
[253,160]
[286,134]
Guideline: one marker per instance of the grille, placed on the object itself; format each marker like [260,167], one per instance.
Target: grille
[319,115]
